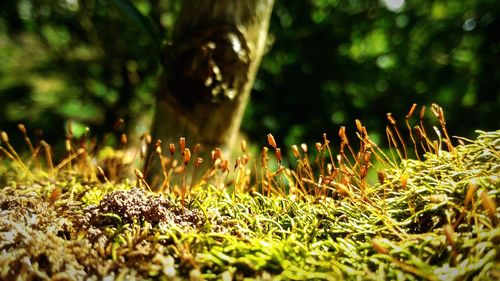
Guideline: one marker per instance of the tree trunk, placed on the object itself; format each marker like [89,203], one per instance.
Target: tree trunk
[211,64]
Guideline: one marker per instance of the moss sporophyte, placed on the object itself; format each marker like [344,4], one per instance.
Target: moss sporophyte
[426,209]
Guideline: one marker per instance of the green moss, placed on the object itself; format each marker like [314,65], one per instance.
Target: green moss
[433,219]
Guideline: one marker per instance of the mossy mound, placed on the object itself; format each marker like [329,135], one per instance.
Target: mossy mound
[435,219]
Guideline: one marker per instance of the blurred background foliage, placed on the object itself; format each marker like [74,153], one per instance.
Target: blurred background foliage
[329,62]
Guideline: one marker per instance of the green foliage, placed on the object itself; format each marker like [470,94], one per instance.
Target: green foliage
[135,17]
[334,61]
[88,61]
[328,62]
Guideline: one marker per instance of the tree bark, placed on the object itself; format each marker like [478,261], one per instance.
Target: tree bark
[211,64]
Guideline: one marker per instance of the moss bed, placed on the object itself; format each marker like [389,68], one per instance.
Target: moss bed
[430,219]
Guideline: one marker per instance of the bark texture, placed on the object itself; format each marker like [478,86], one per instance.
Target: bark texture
[211,64]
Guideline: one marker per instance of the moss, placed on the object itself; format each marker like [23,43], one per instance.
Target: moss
[434,218]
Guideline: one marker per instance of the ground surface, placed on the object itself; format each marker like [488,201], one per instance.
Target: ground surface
[434,219]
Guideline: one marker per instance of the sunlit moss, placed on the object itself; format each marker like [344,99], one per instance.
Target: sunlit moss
[435,218]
